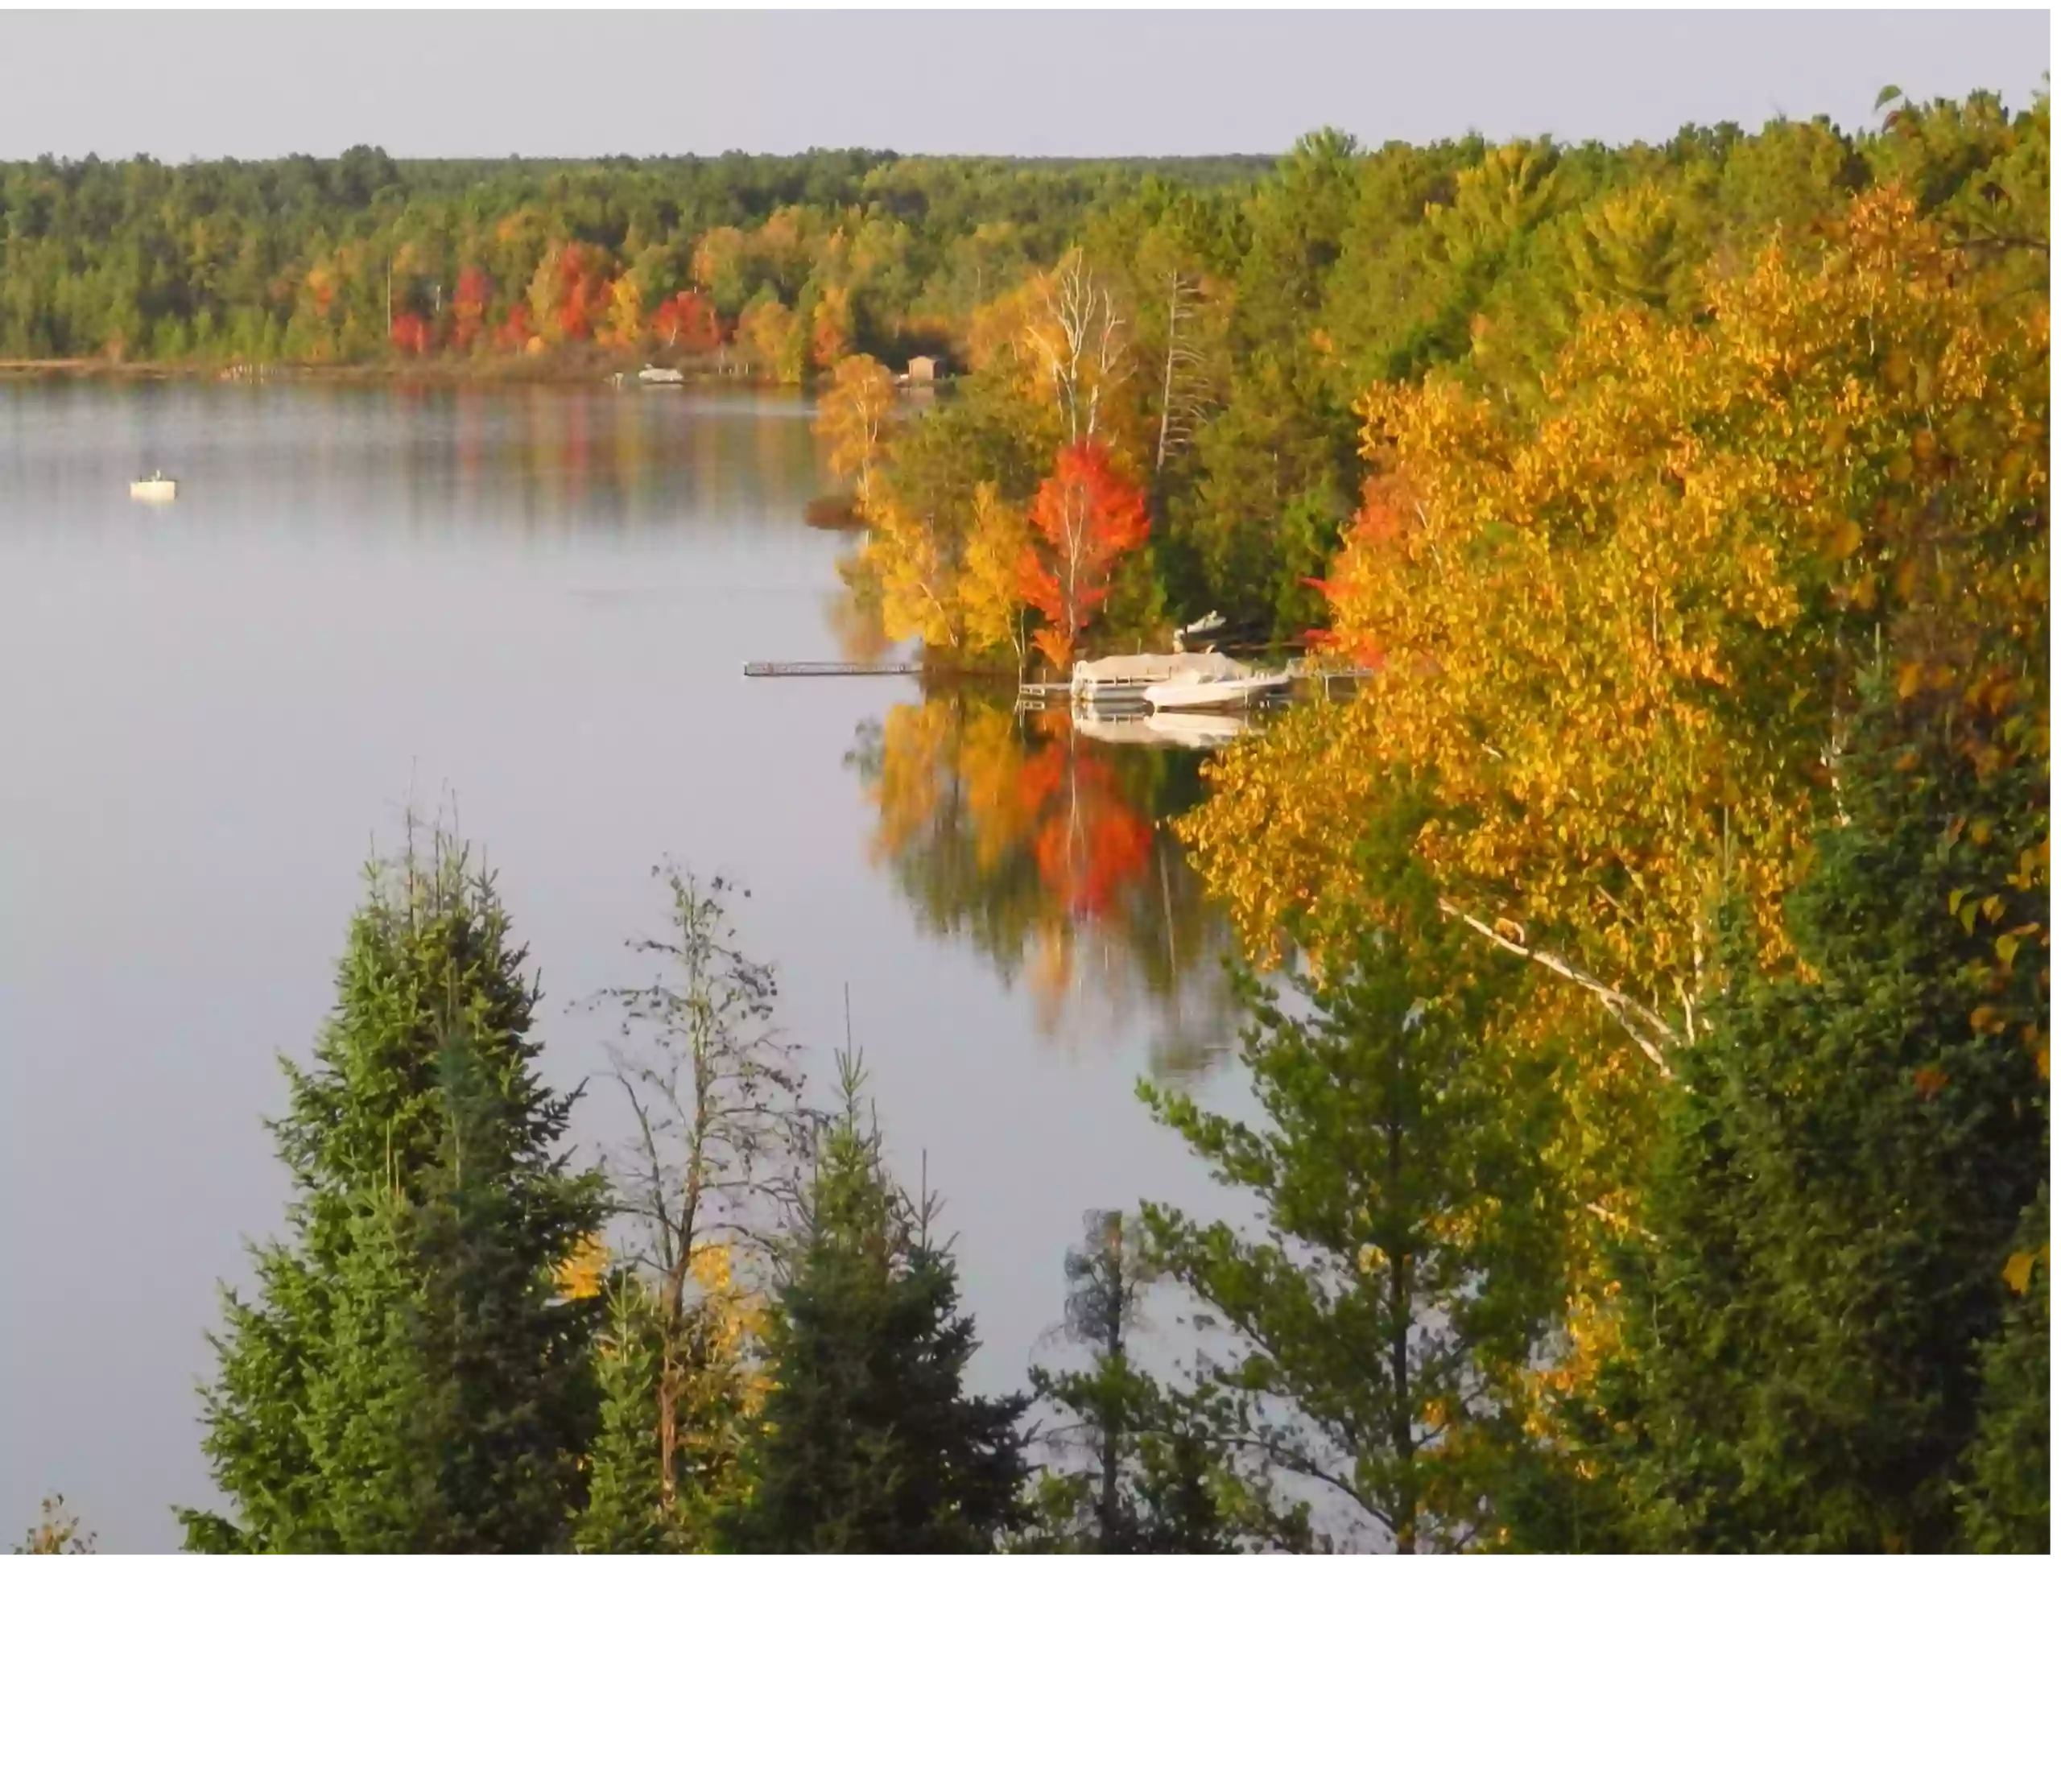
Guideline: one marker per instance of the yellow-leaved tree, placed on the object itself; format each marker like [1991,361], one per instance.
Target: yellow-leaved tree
[917,582]
[1619,634]
[774,339]
[990,580]
[854,417]
[626,312]
[962,600]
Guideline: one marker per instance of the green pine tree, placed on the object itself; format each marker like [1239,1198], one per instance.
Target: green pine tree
[1404,1269]
[406,1377]
[1823,1348]
[1154,1485]
[868,1443]
[2006,1492]
[624,1514]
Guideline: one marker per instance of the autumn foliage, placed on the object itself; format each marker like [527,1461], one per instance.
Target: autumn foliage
[1090,845]
[853,418]
[1089,516]
[1038,843]
[513,333]
[1621,631]
[687,322]
[1052,797]
[469,299]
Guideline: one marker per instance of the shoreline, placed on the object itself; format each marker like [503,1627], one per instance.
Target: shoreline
[513,372]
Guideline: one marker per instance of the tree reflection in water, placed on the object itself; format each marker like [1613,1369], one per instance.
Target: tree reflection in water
[1046,849]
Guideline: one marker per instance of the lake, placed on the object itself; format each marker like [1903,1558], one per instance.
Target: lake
[531,608]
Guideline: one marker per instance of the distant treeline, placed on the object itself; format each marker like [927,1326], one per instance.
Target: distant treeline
[349,259]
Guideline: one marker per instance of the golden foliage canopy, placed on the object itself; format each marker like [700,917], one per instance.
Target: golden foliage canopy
[1617,633]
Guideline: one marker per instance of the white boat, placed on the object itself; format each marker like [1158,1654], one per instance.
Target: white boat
[661,376]
[1123,677]
[1226,686]
[156,489]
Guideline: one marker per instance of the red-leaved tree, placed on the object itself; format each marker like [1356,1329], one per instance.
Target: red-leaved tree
[580,289]
[513,331]
[687,321]
[468,304]
[1090,516]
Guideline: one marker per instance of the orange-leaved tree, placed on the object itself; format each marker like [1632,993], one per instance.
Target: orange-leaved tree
[1090,515]
[513,333]
[830,328]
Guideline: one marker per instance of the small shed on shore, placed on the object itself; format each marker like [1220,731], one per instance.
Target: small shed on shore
[924,369]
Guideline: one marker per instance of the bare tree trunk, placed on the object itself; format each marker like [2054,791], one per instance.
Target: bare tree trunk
[715,1090]
[1081,341]
[1166,383]
[1111,1418]
[1401,1432]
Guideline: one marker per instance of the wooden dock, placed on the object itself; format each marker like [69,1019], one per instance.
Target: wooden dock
[1029,695]
[828,668]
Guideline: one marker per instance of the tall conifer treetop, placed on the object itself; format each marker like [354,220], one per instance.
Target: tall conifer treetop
[407,1375]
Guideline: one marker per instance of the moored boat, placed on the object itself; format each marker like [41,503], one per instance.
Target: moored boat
[156,489]
[1127,677]
[1226,685]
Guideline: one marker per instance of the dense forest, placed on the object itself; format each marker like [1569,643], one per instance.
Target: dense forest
[1644,982]
[779,264]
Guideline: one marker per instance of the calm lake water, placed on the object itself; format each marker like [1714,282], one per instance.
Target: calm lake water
[532,608]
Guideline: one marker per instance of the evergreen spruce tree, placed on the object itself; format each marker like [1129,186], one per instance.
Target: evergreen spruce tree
[869,1443]
[2006,1491]
[624,1510]
[1153,1486]
[406,1377]
[1838,1341]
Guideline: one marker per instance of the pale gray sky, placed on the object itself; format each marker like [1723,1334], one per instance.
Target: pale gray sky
[254,85]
